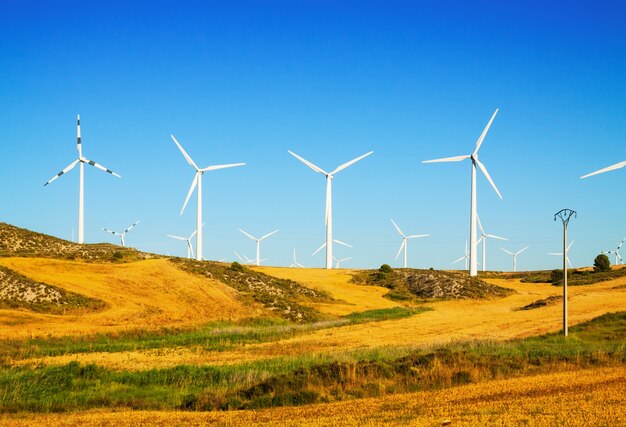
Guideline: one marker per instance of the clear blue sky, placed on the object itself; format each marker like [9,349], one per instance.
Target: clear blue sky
[240,82]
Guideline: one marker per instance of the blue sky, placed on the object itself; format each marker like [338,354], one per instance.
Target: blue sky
[245,82]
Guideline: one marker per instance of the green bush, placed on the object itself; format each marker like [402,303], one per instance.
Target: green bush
[385,268]
[601,263]
[235,266]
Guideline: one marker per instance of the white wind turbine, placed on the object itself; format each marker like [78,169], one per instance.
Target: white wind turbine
[295,261]
[334,240]
[405,239]
[188,240]
[618,256]
[329,200]
[561,253]
[515,254]
[483,238]
[122,234]
[607,169]
[464,257]
[475,162]
[246,260]
[197,181]
[81,188]
[258,243]
[339,261]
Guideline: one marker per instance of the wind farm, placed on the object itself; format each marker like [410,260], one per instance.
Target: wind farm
[368,298]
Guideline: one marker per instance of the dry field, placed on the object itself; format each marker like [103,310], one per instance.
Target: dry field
[147,294]
[576,398]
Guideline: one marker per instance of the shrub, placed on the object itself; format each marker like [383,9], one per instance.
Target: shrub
[385,268]
[601,263]
[236,266]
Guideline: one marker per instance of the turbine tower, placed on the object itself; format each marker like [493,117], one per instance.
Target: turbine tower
[607,169]
[618,256]
[464,257]
[515,254]
[475,162]
[295,261]
[258,243]
[188,240]
[329,201]
[197,181]
[483,238]
[561,253]
[81,188]
[122,234]
[405,239]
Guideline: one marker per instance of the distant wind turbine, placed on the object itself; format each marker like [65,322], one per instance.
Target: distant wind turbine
[122,234]
[464,257]
[405,239]
[197,181]
[81,189]
[483,238]
[607,169]
[618,256]
[246,260]
[339,261]
[475,162]
[188,240]
[329,201]
[295,261]
[258,243]
[561,253]
[334,240]
[515,254]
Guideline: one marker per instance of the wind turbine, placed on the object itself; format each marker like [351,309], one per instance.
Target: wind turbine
[561,253]
[483,238]
[329,200]
[338,261]
[464,257]
[188,240]
[618,257]
[295,261]
[405,238]
[475,162]
[258,243]
[607,169]
[81,160]
[122,234]
[197,181]
[246,260]
[515,256]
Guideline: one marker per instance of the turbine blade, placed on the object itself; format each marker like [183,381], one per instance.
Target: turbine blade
[190,246]
[319,249]
[350,163]
[401,247]
[341,243]
[217,167]
[187,157]
[484,169]
[193,187]
[176,237]
[479,142]
[109,231]
[510,253]
[102,168]
[491,236]
[458,260]
[397,228]
[269,234]
[309,164]
[131,227]
[66,170]
[556,253]
[447,159]
[607,169]
[239,256]
[482,231]
[570,245]
[519,252]
[249,235]
[621,243]
[79,145]
[193,234]
[344,259]
[415,236]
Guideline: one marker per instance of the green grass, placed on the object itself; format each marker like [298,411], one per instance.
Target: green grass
[311,377]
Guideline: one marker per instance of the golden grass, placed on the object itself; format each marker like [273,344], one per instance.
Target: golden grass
[351,298]
[147,294]
[576,398]
[450,321]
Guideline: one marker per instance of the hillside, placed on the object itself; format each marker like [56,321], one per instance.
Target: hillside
[16,241]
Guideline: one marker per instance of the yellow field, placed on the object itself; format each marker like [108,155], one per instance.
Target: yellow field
[577,398]
[450,321]
[141,295]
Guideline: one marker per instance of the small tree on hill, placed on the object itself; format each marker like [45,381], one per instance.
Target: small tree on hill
[601,263]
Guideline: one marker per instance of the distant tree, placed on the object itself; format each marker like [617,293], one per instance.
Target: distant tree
[601,263]
[385,268]
[236,266]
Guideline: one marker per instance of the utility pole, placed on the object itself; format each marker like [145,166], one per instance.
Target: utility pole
[565,215]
